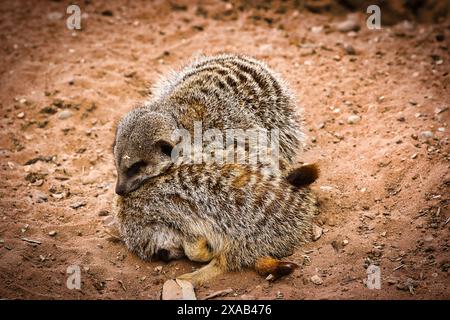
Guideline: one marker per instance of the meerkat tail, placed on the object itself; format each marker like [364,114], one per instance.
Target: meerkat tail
[278,268]
[304,175]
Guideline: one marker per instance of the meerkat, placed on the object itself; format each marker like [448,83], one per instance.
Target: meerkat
[232,216]
[223,92]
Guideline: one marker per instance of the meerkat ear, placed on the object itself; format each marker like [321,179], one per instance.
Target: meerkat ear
[304,175]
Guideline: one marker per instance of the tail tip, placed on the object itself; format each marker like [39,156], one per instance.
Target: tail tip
[304,175]
[267,265]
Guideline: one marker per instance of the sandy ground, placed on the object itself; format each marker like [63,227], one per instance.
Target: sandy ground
[384,188]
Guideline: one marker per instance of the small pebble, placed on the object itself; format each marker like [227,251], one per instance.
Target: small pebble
[440,110]
[426,134]
[158,269]
[353,119]
[65,114]
[55,15]
[103,213]
[316,280]
[178,290]
[317,232]
[78,204]
[40,197]
[349,49]
[317,29]
[347,26]
[270,277]
[392,281]
[52,233]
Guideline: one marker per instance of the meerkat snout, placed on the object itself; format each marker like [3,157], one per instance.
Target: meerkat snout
[134,176]
[142,148]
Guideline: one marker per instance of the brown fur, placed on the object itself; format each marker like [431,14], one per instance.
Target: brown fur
[254,225]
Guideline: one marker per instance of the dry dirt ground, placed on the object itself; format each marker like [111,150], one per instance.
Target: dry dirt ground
[384,188]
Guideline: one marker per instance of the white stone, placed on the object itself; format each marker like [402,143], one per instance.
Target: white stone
[316,280]
[353,119]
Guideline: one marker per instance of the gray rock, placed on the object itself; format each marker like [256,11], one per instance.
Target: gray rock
[316,280]
[55,15]
[270,277]
[408,285]
[349,49]
[103,213]
[178,290]
[426,135]
[347,26]
[40,196]
[353,119]
[65,114]
[317,232]
[78,204]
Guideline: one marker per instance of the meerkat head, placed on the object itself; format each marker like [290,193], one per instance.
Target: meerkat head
[142,148]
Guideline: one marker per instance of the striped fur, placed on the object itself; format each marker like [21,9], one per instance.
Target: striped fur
[224,92]
[231,91]
[242,212]
[265,217]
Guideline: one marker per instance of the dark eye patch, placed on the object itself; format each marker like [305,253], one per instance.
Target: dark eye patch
[165,147]
[135,168]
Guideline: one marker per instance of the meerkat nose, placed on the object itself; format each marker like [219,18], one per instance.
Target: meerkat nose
[120,189]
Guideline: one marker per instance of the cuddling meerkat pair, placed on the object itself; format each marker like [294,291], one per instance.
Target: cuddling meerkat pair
[229,215]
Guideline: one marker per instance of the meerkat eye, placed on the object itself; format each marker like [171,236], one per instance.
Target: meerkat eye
[165,147]
[135,168]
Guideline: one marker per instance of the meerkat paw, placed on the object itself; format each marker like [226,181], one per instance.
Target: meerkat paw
[198,251]
[199,277]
